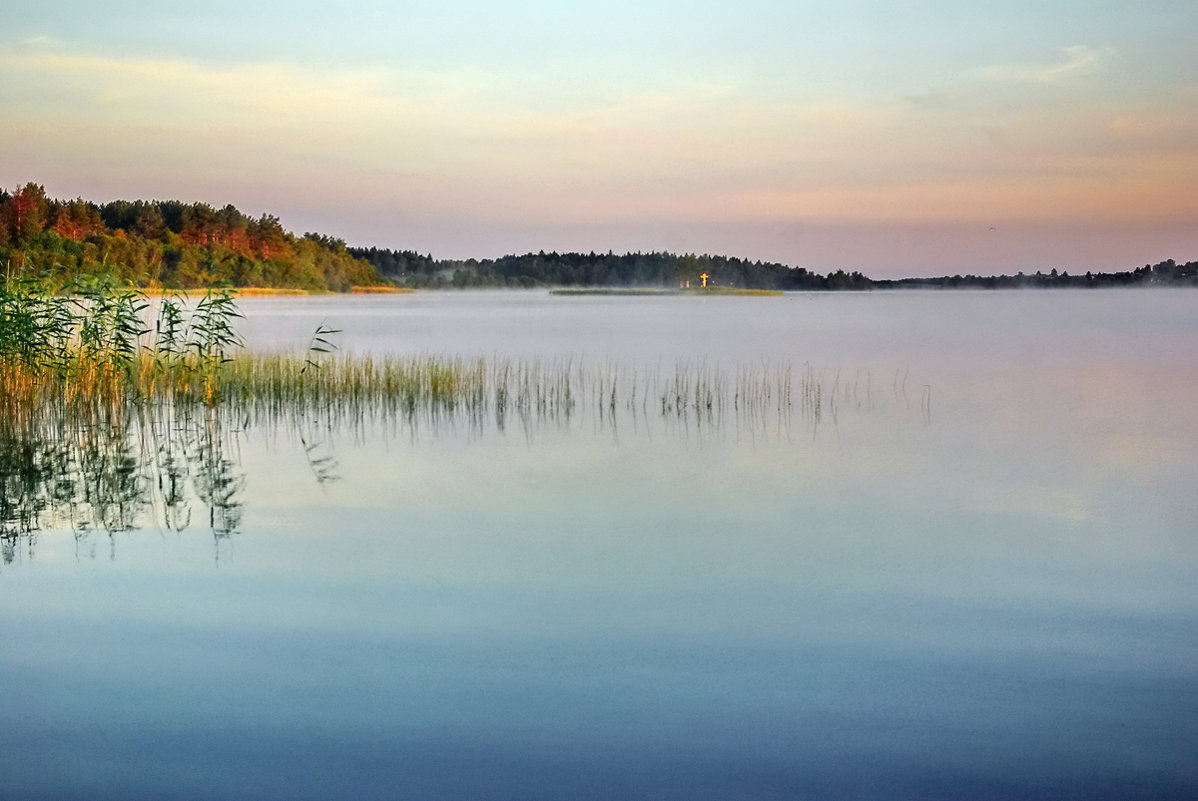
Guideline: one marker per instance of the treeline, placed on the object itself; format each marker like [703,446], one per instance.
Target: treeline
[600,270]
[176,245]
[1165,273]
[670,270]
[168,244]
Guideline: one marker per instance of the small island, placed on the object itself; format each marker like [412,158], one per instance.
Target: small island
[689,291]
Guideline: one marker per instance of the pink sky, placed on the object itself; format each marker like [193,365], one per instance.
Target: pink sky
[820,135]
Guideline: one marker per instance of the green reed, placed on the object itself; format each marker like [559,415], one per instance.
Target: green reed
[93,343]
[96,348]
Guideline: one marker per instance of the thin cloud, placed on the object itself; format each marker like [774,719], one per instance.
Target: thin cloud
[169,84]
[483,144]
[933,99]
[1079,61]
[974,89]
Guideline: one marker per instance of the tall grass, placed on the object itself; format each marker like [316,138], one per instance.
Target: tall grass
[94,345]
[99,349]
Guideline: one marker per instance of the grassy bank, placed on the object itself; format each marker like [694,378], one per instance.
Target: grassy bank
[242,291]
[268,292]
[385,289]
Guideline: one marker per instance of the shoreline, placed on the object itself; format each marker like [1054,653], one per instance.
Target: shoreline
[267,292]
[692,292]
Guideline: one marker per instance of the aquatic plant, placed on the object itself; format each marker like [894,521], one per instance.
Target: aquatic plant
[98,349]
[92,344]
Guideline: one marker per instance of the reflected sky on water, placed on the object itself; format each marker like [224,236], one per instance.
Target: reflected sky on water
[991,595]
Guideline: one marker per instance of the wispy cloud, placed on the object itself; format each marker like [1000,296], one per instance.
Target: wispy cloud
[484,145]
[933,99]
[1079,61]
[993,86]
[121,85]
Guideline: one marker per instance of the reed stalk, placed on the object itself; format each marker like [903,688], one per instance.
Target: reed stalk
[92,350]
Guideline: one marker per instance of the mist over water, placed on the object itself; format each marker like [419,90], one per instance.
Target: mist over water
[972,575]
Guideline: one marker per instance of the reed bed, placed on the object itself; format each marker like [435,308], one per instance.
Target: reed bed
[439,388]
[432,388]
[97,350]
[101,445]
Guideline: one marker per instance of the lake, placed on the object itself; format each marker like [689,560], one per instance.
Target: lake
[923,545]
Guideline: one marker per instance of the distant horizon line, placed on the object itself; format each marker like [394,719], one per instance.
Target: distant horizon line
[592,253]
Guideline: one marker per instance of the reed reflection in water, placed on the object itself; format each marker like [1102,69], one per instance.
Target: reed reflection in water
[98,471]
[100,468]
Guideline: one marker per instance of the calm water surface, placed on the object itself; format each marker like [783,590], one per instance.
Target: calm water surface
[973,575]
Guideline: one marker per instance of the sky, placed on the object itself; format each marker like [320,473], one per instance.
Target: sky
[894,138]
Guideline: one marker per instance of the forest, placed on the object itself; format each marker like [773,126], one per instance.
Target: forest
[175,245]
[670,270]
[1165,273]
[166,245]
[601,270]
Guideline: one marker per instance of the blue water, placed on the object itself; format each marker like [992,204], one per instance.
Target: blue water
[986,594]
